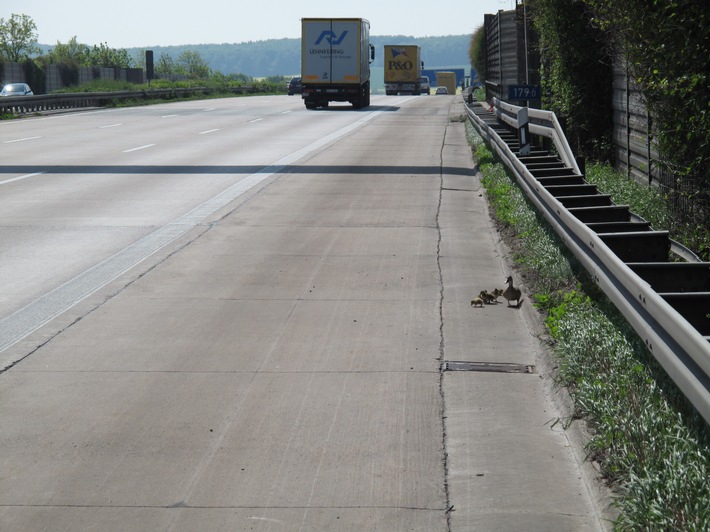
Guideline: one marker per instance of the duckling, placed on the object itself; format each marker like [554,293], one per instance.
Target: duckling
[476,302]
[497,292]
[512,293]
[487,298]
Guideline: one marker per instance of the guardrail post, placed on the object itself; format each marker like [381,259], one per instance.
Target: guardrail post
[524,131]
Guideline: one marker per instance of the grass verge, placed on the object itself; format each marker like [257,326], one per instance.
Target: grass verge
[652,446]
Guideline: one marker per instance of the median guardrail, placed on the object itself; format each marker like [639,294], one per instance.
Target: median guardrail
[18,105]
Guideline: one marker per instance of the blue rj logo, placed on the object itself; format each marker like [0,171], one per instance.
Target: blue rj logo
[331,37]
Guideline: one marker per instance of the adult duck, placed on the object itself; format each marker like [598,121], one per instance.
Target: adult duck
[511,293]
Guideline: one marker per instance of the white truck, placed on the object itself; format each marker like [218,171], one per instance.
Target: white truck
[335,61]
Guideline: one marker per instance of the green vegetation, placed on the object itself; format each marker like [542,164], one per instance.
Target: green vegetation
[666,49]
[18,38]
[197,90]
[576,74]
[76,54]
[477,51]
[645,201]
[651,445]
[275,85]
[664,46]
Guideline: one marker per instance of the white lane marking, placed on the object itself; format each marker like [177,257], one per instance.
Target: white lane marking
[208,109]
[168,116]
[20,177]
[69,115]
[208,131]
[110,125]
[20,140]
[139,148]
[255,120]
[42,310]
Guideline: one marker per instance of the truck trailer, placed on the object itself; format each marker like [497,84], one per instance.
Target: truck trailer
[448,80]
[403,69]
[335,61]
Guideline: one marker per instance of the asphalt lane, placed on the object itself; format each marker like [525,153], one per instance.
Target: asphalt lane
[98,210]
[278,365]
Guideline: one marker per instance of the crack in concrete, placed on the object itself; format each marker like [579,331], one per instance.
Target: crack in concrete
[445,456]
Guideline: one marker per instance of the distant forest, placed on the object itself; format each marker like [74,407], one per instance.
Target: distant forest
[282,57]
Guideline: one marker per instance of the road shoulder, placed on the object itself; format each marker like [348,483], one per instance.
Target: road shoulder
[511,463]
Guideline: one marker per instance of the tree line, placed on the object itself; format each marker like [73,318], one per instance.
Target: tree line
[239,61]
[19,43]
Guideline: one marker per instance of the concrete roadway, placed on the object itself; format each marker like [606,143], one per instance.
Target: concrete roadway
[275,362]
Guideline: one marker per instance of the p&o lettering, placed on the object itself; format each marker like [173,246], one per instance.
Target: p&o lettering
[400,65]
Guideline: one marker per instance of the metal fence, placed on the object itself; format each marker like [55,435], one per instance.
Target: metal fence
[636,153]
[509,60]
[632,136]
[54,80]
[502,53]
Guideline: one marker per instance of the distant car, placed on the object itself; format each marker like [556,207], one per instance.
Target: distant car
[16,89]
[442,90]
[294,86]
[425,87]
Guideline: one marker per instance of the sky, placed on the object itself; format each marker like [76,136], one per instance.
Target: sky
[147,23]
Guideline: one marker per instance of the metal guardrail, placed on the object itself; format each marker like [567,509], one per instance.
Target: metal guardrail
[679,347]
[52,102]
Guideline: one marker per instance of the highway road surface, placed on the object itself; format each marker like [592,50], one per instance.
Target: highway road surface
[238,314]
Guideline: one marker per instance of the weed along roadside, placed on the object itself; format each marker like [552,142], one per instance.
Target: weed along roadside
[649,443]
